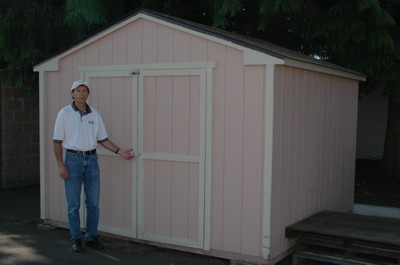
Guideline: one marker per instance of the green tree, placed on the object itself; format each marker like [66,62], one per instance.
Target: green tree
[31,30]
[26,35]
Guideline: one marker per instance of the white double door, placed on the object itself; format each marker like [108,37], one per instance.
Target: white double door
[169,132]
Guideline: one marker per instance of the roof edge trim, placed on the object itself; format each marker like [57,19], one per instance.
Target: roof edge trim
[325,69]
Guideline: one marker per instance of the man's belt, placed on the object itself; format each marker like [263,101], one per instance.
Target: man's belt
[82,152]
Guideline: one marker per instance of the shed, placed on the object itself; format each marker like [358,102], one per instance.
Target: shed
[238,138]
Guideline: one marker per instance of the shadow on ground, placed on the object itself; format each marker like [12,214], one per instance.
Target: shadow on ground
[23,243]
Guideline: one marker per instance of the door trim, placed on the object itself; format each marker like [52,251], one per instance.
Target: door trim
[86,73]
[205,69]
[203,223]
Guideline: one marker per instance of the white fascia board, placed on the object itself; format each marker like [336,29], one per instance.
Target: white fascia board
[324,69]
[253,57]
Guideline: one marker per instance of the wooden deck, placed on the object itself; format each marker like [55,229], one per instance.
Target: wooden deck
[345,238]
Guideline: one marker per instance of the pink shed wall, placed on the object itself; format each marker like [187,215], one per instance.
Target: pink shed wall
[315,118]
[237,133]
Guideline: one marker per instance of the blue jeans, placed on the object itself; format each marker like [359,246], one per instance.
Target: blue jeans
[82,169]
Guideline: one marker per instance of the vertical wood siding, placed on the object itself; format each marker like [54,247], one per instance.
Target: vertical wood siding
[237,153]
[253,115]
[236,210]
[56,208]
[315,119]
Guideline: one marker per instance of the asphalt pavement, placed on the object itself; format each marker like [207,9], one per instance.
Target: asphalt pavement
[24,242]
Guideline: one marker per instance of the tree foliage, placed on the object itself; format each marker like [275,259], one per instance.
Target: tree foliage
[31,30]
[26,35]
[362,35]
[83,15]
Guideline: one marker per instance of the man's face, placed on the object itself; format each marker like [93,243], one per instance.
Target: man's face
[80,94]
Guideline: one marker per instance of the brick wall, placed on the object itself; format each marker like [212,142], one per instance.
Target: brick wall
[19,121]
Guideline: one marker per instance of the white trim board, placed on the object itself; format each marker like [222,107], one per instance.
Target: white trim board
[268,144]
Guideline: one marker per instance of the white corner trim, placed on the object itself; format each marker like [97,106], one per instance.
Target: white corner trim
[268,144]
[42,139]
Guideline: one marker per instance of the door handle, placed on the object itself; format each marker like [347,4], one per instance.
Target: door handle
[136,153]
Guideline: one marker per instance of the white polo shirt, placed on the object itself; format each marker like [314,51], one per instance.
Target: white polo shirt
[79,131]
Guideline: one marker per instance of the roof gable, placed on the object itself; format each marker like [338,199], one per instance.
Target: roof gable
[255,51]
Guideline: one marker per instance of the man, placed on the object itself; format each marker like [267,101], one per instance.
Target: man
[78,129]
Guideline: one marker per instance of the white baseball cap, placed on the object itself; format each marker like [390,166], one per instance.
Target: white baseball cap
[79,83]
